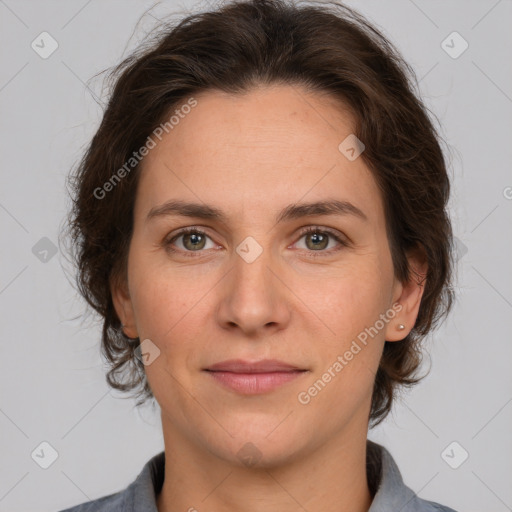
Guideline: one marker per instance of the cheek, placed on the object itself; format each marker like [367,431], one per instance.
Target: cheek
[348,299]
[163,292]
[169,311]
[348,355]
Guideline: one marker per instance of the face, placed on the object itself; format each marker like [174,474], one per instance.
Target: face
[252,285]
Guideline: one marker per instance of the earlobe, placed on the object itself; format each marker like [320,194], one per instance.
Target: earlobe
[409,297]
[123,306]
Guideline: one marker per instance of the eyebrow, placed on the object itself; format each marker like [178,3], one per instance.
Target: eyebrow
[291,212]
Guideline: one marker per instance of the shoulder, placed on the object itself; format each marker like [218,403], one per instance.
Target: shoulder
[430,506]
[110,503]
[139,496]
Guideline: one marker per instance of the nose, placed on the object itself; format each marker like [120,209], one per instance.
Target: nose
[254,298]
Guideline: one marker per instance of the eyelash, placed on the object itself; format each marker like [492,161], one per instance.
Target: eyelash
[167,243]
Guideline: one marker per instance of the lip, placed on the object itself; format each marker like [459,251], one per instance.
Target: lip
[253,378]
[263,366]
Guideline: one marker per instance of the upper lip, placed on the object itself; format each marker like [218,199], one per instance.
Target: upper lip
[263,366]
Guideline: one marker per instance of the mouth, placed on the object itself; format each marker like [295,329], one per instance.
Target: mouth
[263,366]
[252,378]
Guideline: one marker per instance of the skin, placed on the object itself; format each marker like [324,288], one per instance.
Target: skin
[252,155]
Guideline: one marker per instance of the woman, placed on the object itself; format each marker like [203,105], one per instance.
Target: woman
[261,222]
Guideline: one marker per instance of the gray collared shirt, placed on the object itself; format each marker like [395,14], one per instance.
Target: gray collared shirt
[391,495]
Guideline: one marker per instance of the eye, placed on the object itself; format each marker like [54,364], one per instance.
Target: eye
[317,239]
[194,240]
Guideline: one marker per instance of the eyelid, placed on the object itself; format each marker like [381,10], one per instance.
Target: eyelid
[169,239]
[323,229]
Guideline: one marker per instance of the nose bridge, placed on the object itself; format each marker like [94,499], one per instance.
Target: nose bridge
[252,299]
[251,273]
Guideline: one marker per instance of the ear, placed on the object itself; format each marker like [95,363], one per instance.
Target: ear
[408,295]
[123,305]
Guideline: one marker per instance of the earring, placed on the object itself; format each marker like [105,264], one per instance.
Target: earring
[401,327]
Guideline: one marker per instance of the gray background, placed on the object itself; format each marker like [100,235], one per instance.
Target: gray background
[52,381]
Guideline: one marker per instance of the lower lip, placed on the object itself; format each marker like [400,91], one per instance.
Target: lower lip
[254,383]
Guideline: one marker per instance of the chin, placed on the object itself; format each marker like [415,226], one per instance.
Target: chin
[257,445]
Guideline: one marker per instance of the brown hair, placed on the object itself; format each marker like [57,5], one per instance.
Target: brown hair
[329,49]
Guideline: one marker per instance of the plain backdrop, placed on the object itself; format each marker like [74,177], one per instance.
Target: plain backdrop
[52,384]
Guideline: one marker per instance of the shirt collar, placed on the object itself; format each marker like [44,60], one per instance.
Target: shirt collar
[392,493]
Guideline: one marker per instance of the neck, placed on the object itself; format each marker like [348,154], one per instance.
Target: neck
[331,478]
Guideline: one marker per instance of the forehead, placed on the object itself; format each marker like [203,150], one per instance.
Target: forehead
[257,151]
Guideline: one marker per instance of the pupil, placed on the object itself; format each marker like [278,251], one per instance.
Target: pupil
[318,238]
[195,239]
